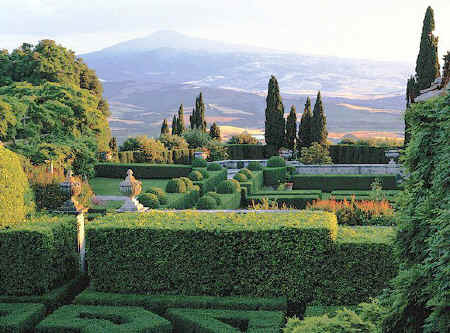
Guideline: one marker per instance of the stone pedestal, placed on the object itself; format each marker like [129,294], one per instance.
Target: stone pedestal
[131,187]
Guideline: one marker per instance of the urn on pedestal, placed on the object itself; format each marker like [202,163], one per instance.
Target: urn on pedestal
[131,188]
[72,187]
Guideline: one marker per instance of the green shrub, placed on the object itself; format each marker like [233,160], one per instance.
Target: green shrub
[188,182]
[315,154]
[276,162]
[216,196]
[357,154]
[246,172]
[254,166]
[204,172]
[149,200]
[195,175]
[230,201]
[240,177]
[329,183]
[214,167]
[159,304]
[187,200]
[199,163]
[237,185]
[291,201]
[226,186]
[14,189]
[245,151]
[255,184]
[20,317]
[210,184]
[320,310]
[176,186]
[274,176]
[37,255]
[159,192]
[207,320]
[48,196]
[85,318]
[142,171]
[207,202]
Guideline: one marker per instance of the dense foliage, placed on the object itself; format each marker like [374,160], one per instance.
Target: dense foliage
[173,141]
[275,124]
[197,118]
[214,132]
[319,131]
[243,139]
[315,154]
[305,127]
[420,292]
[291,129]
[276,161]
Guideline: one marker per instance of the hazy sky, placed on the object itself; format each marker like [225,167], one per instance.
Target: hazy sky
[381,29]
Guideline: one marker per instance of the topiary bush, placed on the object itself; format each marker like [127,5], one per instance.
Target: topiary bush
[199,163]
[159,192]
[149,200]
[240,177]
[254,166]
[176,185]
[216,196]
[204,173]
[237,185]
[227,187]
[214,167]
[246,172]
[207,202]
[189,184]
[276,162]
[195,175]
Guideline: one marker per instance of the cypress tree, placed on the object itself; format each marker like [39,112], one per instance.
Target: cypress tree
[291,128]
[319,131]
[275,123]
[446,70]
[214,132]
[165,128]
[180,123]
[174,125]
[427,65]
[113,146]
[304,129]
[198,114]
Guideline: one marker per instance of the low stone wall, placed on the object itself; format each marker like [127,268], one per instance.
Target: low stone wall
[235,164]
[350,169]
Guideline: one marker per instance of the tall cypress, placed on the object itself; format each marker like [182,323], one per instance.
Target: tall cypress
[214,132]
[165,128]
[275,123]
[291,128]
[174,125]
[180,123]
[304,129]
[198,114]
[427,65]
[319,131]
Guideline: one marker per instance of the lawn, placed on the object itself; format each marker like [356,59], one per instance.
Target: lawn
[110,186]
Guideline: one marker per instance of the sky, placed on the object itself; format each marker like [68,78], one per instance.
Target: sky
[378,30]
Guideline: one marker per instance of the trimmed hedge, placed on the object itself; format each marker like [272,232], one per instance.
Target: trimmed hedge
[274,176]
[187,200]
[276,162]
[142,171]
[214,167]
[199,163]
[85,318]
[210,184]
[319,310]
[291,201]
[176,185]
[223,321]
[245,151]
[329,183]
[289,193]
[20,317]
[216,196]
[226,187]
[195,175]
[37,255]
[207,202]
[254,184]
[230,201]
[357,154]
[254,166]
[180,257]
[177,156]
[159,192]
[240,177]
[149,200]
[160,303]
[246,172]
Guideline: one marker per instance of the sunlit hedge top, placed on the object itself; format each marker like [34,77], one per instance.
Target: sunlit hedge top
[220,221]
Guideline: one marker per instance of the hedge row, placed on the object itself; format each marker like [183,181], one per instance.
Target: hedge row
[289,192]
[20,317]
[274,176]
[254,184]
[246,152]
[177,156]
[230,201]
[142,171]
[37,255]
[160,303]
[186,200]
[320,310]
[355,154]
[329,183]
[291,201]
[209,184]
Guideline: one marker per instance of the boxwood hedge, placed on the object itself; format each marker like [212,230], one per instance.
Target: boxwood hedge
[274,176]
[210,184]
[20,317]
[254,184]
[142,170]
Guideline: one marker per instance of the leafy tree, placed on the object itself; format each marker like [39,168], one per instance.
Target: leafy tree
[217,151]
[130,144]
[173,141]
[427,64]
[305,127]
[316,154]
[197,118]
[243,139]
[214,132]
[291,128]
[275,123]
[319,131]
[181,127]
[196,138]
[114,146]
[7,119]
[174,125]
[165,128]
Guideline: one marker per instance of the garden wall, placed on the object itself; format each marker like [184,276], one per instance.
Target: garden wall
[350,169]
[141,170]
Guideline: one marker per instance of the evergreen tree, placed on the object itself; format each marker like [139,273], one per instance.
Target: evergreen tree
[291,128]
[446,70]
[113,145]
[304,129]
[319,131]
[275,123]
[427,65]
[180,123]
[198,114]
[411,93]
[165,128]
[214,132]
[174,125]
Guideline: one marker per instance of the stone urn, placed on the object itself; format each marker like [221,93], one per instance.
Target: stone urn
[72,187]
[131,187]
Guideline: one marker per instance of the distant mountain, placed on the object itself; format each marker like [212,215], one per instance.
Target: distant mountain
[147,78]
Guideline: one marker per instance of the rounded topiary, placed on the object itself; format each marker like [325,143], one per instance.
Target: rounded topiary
[237,186]
[240,177]
[246,172]
[275,162]
[195,175]
[254,166]
[159,192]
[188,182]
[214,167]
[199,163]
[207,202]
[228,186]
[176,185]
[15,193]
[149,200]
[204,173]
[216,196]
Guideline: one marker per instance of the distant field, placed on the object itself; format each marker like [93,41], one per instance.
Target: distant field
[110,186]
